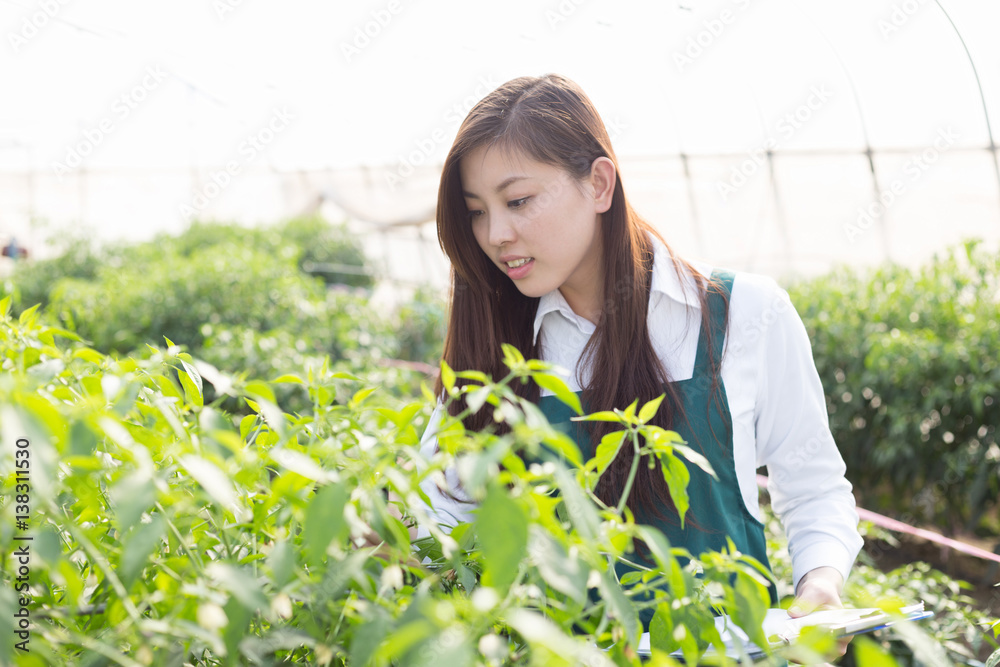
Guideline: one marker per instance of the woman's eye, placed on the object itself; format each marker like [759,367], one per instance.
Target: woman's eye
[473,214]
[518,203]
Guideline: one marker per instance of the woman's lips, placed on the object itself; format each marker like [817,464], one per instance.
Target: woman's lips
[518,272]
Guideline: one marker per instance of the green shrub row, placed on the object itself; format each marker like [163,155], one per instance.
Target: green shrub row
[910,361]
[237,297]
[165,531]
[169,529]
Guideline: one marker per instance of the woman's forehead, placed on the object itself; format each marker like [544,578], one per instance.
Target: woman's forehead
[498,156]
[500,163]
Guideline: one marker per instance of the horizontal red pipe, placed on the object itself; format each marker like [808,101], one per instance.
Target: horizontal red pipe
[900,527]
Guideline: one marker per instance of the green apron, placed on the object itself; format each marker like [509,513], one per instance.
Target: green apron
[716,506]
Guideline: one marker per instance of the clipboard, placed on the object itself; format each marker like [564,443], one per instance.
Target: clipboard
[777,623]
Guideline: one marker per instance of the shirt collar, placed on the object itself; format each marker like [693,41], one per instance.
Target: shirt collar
[665,281]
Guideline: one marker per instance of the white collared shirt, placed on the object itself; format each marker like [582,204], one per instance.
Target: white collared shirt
[775,399]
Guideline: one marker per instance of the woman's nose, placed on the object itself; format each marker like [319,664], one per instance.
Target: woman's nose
[501,229]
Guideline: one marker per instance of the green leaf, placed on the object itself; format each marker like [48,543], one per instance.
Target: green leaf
[240,583]
[688,642]
[447,377]
[325,521]
[402,639]
[869,654]
[213,480]
[191,381]
[288,377]
[367,637]
[658,546]
[28,316]
[562,444]
[246,425]
[502,528]
[677,477]
[751,602]
[300,463]
[560,389]
[360,395]
[87,354]
[631,578]
[696,458]
[477,376]
[477,397]
[630,411]
[260,390]
[236,630]
[604,416]
[140,543]
[512,357]
[581,510]
[648,411]
[661,630]
[133,495]
[564,574]
[620,607]
[281,560]
[608,450]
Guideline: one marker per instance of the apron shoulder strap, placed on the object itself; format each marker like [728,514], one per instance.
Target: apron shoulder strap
[720,288]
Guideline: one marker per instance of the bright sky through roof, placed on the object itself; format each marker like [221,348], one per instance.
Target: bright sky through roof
[186,82]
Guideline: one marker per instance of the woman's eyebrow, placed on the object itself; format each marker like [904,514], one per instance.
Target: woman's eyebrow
[500,188]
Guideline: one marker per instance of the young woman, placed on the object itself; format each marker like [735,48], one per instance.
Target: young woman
[548,255]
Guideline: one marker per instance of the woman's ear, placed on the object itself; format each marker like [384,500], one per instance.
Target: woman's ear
[603,176]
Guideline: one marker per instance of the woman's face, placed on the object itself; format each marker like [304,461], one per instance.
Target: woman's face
[537,223]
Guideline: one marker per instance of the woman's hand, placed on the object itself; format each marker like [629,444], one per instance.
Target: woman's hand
[373,539]
[819,589]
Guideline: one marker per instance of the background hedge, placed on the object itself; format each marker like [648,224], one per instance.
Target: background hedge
[910,362]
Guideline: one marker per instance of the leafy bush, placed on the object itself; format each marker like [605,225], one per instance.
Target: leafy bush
[227,284]
[328,252]
[235,295]
[291,245]
[340,325]
[909,361]
[304,241]
[957,627]
[32,281]
[166,532]
[418,327]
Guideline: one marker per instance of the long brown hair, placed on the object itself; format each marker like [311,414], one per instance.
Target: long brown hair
[551,120]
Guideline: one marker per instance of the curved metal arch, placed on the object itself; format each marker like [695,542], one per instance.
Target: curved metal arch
[868,152]
[986,112]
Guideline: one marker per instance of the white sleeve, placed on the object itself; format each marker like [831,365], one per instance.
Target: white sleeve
[809,492]
[447,511]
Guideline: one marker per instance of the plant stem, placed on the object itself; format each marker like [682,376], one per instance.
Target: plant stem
[196,561]
[631,473]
